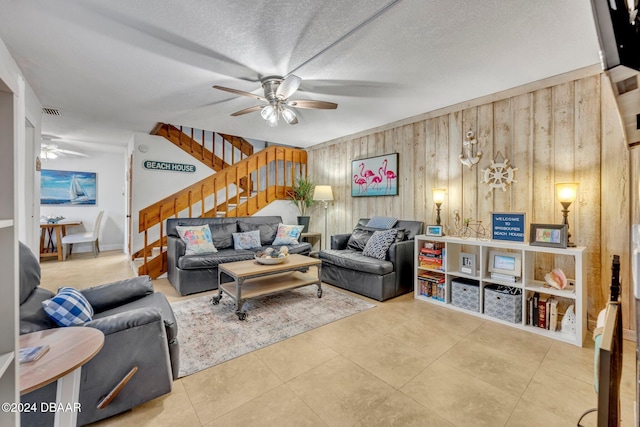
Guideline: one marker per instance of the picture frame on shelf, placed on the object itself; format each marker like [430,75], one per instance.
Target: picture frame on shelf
[467,263]
[504,265]
[434,230]
[549,235]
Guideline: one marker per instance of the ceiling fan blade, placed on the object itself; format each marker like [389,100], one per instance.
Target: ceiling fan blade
[308,103]
[75,153]
[288,86]
[240,92]
[248,110]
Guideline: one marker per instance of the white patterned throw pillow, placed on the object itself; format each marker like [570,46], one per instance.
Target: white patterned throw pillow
[197,239]
[288,234]
[379,243]
[246,240]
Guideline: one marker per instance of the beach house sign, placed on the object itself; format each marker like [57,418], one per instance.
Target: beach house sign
[168,166]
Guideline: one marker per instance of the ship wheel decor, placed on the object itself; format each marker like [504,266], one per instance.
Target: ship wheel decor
[499,174]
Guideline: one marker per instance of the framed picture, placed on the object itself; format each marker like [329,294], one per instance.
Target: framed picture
[434,230]
[507,264]
[67,188]
[467,263]
[375,176]
[551,235]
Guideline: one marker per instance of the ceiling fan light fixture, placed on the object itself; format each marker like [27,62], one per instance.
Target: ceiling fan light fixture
[46,155]
[288,114]
[268,112]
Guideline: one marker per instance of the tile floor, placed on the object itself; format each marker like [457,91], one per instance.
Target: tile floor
[402,363]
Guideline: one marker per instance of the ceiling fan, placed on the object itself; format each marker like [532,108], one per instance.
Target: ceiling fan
[277,91]
[50,150]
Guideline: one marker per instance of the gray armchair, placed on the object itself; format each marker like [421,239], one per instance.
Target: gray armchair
[140,331]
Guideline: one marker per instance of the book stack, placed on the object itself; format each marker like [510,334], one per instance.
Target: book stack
[432,256]
[432,285]
[542,311]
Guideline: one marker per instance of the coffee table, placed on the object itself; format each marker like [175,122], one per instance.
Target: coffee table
[252,279]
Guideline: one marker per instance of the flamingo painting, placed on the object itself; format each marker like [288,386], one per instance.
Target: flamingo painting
[366,182]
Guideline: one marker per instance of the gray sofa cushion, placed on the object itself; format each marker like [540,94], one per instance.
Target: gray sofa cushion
[222,235]
[29,271]
[212,260]
[359,237]
[267,231]
[113,294]
[300,248]
[156,301]
[354,260]
[32,316]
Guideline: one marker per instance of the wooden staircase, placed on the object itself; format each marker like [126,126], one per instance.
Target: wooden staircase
[240,189]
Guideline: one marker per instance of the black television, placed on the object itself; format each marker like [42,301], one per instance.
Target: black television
[618,31]
[618,27]
[608,361]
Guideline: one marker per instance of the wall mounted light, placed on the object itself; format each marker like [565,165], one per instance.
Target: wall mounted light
[438,199]
[567,193]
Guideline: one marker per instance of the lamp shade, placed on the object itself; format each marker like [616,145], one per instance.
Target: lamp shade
[439,194]
[323,193]
[566,191]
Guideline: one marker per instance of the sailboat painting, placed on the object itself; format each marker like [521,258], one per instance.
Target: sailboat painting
[67,188]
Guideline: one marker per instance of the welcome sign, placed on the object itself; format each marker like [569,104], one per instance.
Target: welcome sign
[168,166]
[508,226]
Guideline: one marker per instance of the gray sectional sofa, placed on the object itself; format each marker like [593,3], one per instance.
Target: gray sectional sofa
[198,273]
[347,268]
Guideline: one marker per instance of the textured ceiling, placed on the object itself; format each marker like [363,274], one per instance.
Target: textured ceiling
[117,67]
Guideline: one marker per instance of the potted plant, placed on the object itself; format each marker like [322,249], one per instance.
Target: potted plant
[301,196]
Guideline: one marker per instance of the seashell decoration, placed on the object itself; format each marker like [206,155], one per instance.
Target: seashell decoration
[556,279]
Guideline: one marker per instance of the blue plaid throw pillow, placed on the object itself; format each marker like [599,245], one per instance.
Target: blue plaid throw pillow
[68,308]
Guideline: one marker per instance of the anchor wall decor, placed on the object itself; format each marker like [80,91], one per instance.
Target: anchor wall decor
[470,154]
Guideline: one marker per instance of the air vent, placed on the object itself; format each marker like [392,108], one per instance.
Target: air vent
[627,85]
[50,111]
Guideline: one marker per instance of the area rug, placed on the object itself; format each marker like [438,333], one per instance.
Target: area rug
[211,334]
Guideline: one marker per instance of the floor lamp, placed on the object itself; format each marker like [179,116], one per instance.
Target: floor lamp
[323,194]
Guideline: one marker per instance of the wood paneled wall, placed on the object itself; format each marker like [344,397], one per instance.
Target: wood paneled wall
[567,131]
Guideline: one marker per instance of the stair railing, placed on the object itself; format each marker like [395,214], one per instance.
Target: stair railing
[225,149]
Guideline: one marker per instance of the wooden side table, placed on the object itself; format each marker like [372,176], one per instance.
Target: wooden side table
[69,349]
[314,237]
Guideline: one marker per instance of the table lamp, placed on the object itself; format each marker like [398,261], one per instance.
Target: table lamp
[566,193]
[438,199]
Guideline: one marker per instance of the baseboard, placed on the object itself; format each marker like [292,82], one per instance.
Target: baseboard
[87,247]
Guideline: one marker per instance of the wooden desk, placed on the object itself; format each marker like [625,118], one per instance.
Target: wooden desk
[47,230]
[70,348]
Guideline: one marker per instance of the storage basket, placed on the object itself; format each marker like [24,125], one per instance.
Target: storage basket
[465,293]
[503,302]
